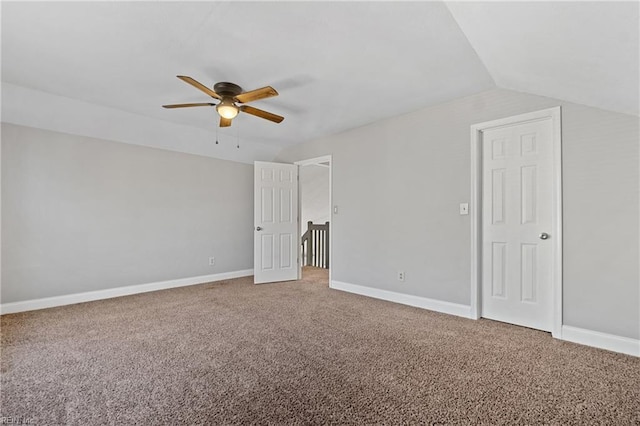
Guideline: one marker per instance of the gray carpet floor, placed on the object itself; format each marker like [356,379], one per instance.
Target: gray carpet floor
[231,352]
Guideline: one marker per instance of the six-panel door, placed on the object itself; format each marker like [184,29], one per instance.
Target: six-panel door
[276,222]
[516,211]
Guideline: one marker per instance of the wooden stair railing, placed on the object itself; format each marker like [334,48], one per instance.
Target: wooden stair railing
[315,245]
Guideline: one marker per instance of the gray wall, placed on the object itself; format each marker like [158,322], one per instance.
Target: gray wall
[82,214]
[398,184]
[314,195]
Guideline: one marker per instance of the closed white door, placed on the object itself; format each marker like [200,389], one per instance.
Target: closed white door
[517,209]
[276,222]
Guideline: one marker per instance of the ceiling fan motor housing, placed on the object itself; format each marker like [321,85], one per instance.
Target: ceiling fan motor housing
[227,89]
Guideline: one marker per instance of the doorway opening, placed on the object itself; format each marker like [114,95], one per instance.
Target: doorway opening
[315,219]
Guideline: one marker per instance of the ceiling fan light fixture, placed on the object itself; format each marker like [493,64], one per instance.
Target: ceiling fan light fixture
[227,109]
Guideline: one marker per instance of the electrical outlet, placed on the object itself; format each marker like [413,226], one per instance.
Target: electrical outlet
[212,261]
[400,275]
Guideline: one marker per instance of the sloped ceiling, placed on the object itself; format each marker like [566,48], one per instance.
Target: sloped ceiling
[583,52]
[104,69]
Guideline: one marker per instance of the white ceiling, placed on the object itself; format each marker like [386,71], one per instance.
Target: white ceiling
[583,52]
[104,69]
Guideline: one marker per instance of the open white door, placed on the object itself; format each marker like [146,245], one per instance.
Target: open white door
[275,242]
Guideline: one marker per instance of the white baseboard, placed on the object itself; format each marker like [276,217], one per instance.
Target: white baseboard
[582,336]
[69,299]
[405,299]
[600,340]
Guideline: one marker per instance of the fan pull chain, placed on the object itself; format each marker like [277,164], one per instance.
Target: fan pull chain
[238,141]
[217,135]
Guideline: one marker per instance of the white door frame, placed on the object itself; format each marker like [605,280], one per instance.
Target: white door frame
[476,210]
[309,162]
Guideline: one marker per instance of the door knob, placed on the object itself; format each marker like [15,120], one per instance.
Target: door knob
[258,228]
[544,236]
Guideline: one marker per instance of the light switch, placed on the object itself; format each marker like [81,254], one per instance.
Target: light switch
[464,208]
[335,209]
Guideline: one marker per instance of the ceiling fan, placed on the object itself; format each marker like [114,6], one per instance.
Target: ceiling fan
[229,94]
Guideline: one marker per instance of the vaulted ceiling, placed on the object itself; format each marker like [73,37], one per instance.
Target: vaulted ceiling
[104,69]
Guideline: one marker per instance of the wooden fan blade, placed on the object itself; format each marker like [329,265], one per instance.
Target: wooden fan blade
[199,86]
[225,122]
[186,105]
[262,114]
[254,95]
